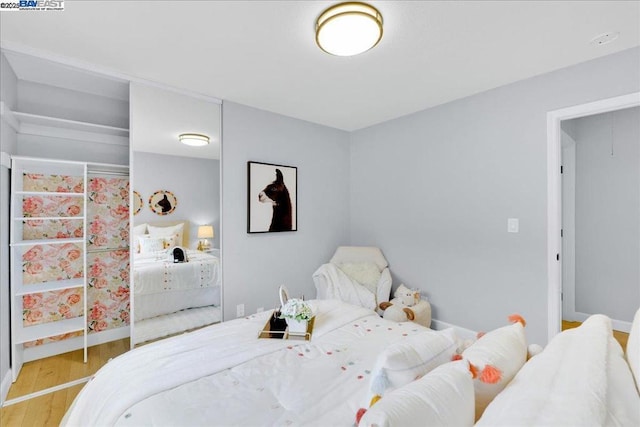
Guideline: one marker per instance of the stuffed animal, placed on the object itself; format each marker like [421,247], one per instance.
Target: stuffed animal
[399,309]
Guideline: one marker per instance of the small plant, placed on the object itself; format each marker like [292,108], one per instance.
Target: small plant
[296,309]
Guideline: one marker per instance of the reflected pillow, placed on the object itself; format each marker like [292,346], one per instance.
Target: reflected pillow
[167,232]
[138,230]
[149,245]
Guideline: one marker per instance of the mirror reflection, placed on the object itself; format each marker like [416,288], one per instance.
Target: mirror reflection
[175,143]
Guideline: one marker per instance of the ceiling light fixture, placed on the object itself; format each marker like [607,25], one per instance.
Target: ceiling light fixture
[348,29]
[194,139]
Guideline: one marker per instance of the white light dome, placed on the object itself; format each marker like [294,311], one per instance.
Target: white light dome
[349,29]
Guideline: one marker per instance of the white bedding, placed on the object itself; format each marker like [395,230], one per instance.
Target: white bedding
[580,379]
[163,287]
[337,285]
[225,375]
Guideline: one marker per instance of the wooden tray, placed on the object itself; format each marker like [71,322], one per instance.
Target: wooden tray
[266,332]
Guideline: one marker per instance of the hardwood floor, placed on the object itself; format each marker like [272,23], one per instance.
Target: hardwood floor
[622,337]
[48,410]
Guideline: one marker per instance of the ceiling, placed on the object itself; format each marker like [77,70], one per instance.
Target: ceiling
[160,116]
[263,54]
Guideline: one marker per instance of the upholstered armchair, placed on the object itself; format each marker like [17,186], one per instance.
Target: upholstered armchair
[355,274]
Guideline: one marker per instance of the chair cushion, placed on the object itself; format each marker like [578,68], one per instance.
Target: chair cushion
[359,254]
[365,273]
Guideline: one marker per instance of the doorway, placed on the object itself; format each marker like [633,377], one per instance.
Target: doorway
[560,252]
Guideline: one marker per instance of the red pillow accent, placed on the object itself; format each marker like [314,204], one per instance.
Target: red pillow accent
[490,375]
[517,318]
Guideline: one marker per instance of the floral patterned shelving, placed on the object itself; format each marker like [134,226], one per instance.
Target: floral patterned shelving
[69,238]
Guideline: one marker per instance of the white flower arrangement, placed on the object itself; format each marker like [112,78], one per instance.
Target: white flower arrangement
[296,309]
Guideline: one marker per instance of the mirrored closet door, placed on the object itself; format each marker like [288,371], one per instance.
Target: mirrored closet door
[175,152]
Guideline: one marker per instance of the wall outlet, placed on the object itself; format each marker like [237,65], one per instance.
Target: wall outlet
[260,310]
[239,310]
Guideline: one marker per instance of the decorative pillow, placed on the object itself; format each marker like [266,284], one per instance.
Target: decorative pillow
[138,230]
[167,231]
[411,358]
[365,273]
[495,359]
[443,397]
[633,349]
[150,244]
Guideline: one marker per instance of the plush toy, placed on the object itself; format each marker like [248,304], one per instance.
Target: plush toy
[399,309]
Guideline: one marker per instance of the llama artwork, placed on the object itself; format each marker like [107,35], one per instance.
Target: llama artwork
[272,198]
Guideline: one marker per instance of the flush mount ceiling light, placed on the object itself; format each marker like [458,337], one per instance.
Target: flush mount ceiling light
[348,29]
[194,139]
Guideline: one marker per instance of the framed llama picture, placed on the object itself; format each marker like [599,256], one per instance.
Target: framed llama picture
[272,198]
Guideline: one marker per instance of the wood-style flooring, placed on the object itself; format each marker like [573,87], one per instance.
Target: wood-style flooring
[48,410]
[622,337]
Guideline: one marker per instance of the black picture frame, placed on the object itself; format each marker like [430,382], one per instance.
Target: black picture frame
[272,198]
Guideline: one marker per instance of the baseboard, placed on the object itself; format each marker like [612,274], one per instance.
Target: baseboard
[463,333]
[108,336]
[4,386]
[618,325]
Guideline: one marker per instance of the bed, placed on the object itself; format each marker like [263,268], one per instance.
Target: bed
[224,375]
[172,297]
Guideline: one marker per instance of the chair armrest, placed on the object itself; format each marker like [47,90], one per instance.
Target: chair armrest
[383,290]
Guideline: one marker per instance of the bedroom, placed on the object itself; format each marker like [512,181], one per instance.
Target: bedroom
[457,170]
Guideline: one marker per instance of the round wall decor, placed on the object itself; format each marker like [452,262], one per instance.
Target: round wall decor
[163,202]
[137,202]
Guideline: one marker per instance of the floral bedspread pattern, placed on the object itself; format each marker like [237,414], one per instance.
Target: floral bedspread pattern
[108,290]
[48,263]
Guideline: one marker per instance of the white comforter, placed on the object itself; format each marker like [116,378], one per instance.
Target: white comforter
[341,287]
[155,273]
[224,375]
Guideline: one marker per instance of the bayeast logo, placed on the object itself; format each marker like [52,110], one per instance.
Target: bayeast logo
[32,5]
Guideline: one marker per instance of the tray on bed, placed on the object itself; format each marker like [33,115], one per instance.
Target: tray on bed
[273,329]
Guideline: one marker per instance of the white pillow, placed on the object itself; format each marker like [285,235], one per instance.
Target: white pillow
[167,232]
[443,397]
[411,358]
[504,349]
[150,244]
[633,349]
[138,230]
[365,273]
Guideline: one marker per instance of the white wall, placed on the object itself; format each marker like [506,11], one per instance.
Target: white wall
[434,190]
[607,218]
[254,265]
[195,183]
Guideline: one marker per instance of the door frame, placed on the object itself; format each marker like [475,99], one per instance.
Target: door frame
[554,194]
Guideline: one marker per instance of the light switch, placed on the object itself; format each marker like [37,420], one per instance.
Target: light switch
[513,225]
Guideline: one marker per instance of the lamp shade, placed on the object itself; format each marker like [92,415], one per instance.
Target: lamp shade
[348,29]
[194,139]
[205,232]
